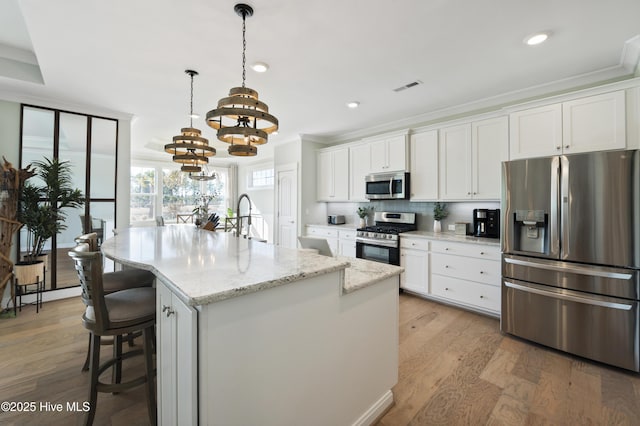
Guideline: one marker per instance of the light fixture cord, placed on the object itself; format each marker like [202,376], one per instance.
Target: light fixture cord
[191,104]
[244,46]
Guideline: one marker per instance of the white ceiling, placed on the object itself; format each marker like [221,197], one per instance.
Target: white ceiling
[129,57]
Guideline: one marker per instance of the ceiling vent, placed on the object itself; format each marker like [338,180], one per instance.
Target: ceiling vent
[407,86]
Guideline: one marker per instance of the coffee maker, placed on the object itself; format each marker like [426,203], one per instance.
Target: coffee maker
[486,223]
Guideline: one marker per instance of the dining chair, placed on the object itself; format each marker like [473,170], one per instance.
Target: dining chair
[115,315]
[92,224]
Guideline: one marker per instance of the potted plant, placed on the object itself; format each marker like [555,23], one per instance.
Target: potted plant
[439,213]
[363,212]
[201,211]
[41,212]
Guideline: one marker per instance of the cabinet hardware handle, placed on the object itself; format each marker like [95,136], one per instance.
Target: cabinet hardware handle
[446,249]
[168,310]
[468,193]
[566,146]
[481,253]
[558,148]
[475,193]
[446,266]
[481,297]
[481,272]
[413,244]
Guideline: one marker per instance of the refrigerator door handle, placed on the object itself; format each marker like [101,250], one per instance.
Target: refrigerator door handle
[570,297]
[554,241]
[570,268]
[565,206]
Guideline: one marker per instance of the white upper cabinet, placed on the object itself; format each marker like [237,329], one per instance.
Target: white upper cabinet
[424,166]
[332,182]
[470,157]
[594,123]
[489,147]
[389,154]
[535,132]
[359,167]
[455,162]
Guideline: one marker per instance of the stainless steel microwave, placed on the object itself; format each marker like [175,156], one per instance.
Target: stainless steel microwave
[387,186]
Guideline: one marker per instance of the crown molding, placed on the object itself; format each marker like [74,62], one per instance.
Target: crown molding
[23,98]
[628,65]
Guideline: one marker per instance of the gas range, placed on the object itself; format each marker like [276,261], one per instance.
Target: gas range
[385,231]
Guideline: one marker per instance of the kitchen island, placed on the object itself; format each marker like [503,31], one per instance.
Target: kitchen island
[251,333]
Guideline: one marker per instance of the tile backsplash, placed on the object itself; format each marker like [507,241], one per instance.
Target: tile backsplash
[458,211]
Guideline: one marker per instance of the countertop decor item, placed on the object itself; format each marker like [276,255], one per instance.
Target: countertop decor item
[439,213]
[189,148]
[363,213]
[241,119]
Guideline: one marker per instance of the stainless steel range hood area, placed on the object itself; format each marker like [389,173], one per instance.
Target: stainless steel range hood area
[571,254]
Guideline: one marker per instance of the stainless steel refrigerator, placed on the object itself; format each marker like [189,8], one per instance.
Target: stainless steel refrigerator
[571,254]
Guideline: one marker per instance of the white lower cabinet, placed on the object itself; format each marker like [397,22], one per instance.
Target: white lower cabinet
[177,360]
[483,296]
[414,258]
[347,243]
[465,274]
[342,242]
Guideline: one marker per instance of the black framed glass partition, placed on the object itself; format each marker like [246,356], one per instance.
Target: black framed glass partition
[90,145]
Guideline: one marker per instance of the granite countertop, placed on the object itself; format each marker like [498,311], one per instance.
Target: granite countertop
[362,273]
[345,226]
[204,267]
[450,236]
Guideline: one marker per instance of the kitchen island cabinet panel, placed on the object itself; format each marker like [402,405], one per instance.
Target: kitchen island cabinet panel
[282,336]
[177,371]
[263,365]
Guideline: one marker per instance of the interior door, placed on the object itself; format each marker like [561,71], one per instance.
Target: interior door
[287,206]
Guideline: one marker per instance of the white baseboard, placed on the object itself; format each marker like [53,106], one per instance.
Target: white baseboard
[376,410]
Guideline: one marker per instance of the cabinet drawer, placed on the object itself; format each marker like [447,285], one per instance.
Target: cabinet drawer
[462,249]
[320,232]
[347,235]
[414,243]
[466,292]
[467,268]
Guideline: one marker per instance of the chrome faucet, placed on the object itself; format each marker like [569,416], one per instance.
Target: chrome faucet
[239,224]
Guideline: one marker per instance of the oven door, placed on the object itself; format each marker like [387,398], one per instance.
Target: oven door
[378,252]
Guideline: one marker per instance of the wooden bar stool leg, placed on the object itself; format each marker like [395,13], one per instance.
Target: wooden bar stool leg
[94,368]
[85,367]
[117,356]
[150,384]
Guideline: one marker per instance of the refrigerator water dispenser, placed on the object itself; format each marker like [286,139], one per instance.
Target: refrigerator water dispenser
[531,234]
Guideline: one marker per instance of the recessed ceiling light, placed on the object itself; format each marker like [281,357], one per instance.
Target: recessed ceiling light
[260,67]
[537,38]
[353,104]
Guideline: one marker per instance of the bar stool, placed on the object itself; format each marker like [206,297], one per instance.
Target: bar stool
[115,315]
[115,281]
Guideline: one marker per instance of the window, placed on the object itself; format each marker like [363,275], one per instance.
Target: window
[143,194]
[159,190]
[261,178]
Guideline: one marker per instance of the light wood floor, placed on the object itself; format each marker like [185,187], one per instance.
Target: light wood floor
[455,368]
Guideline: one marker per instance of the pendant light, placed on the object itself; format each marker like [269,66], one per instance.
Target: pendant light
[241,119]
[189,148]
[204,174]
